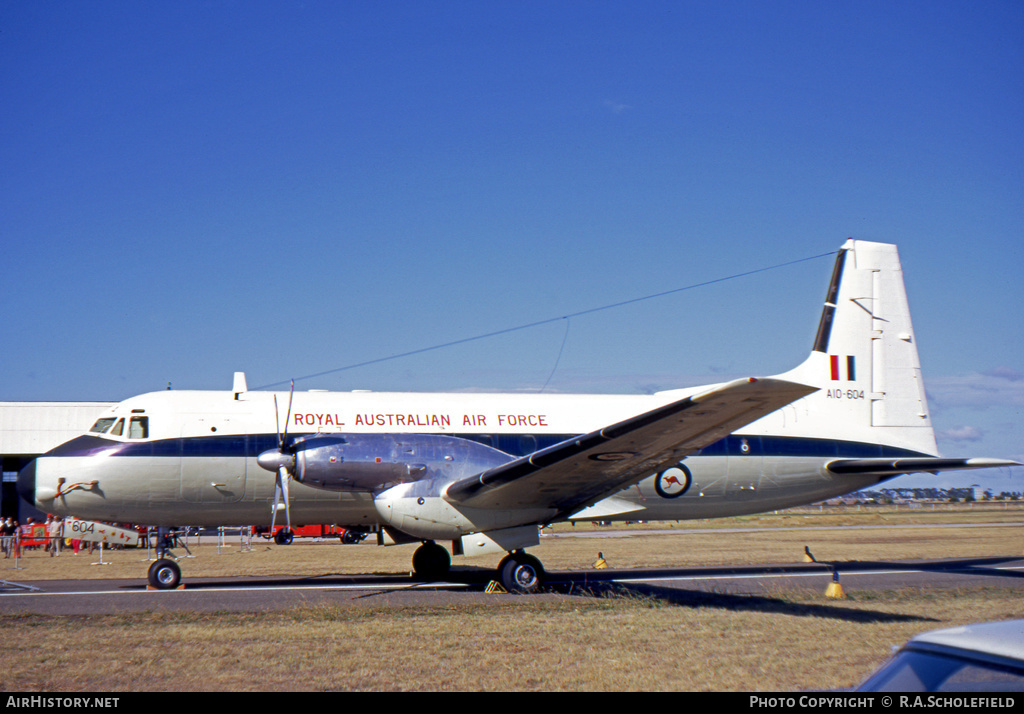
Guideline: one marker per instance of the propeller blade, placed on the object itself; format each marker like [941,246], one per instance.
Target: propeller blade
[288,416]
[282,479]
[277,425]
[283,460]
[277,502]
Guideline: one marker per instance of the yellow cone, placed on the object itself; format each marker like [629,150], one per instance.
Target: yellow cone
[808,556]
[600,562]
[834,589]
[494,587]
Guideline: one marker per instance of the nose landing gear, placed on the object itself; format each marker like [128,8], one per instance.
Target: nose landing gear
[164,574]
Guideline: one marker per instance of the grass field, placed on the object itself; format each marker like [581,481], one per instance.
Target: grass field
[703,642]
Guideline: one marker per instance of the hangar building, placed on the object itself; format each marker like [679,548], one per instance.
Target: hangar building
[28,429]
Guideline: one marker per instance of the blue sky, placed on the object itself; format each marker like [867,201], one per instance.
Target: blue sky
[193,188]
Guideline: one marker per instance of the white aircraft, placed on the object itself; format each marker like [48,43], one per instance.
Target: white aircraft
[484,472]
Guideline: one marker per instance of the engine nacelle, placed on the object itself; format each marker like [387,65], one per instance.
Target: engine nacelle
[339,464]
[357,475]
[377,462]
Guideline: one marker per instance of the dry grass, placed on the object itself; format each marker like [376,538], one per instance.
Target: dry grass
[622,643]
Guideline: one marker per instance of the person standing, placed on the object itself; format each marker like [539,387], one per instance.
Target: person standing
[7,534]
[55,531]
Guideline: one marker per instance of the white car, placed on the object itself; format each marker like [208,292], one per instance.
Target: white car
[987,657]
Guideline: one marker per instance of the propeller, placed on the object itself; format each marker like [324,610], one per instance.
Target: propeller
[282,462]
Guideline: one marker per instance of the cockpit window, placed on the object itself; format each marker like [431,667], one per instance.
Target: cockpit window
[101,425]
[138,428]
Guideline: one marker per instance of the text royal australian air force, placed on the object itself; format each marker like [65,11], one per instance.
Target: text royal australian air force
[423,420]
[473,413]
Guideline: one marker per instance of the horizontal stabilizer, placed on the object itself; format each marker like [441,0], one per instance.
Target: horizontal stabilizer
[892,467]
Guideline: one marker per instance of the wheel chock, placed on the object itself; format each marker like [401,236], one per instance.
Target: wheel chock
[835,589]
[180,587]
[808,556]
[495,587]
[600,563]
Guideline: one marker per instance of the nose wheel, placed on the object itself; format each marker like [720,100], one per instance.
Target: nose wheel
[164,574]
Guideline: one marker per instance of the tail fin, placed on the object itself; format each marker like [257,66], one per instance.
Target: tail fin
[864,360]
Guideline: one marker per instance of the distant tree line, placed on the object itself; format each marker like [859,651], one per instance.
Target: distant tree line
[967,494]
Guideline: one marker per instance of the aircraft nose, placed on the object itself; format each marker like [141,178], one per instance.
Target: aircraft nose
[26,486]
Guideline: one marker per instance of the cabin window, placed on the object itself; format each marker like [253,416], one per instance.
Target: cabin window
[101,425]
[527,444]
[138,428]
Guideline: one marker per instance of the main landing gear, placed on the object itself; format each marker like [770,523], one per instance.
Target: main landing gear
[431,561]
[518,572]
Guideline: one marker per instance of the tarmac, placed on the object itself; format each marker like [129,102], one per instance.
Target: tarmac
[746,586]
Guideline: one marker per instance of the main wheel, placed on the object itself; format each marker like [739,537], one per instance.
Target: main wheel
[520,573]
[284,537]
[431,561]
[351,537]
[164,574]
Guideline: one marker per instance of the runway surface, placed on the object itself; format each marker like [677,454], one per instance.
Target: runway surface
[466,585]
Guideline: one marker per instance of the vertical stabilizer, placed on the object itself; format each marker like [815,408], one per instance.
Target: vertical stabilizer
[865,360]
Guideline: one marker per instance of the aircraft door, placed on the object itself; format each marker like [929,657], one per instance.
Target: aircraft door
[745,465]
[212,467]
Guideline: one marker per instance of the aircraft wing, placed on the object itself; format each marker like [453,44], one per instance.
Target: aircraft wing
[914,465]
[581,471]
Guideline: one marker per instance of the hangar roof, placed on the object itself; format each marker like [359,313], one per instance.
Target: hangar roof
[29,428]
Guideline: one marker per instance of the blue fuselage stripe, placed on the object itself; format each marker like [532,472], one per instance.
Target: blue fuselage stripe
[251,445]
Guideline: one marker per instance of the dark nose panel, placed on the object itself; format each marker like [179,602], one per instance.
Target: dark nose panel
[27,483]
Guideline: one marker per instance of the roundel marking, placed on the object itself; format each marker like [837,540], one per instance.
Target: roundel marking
[673,482]
[613,456]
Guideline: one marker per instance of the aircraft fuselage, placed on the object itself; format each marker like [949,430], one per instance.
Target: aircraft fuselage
[197,463]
